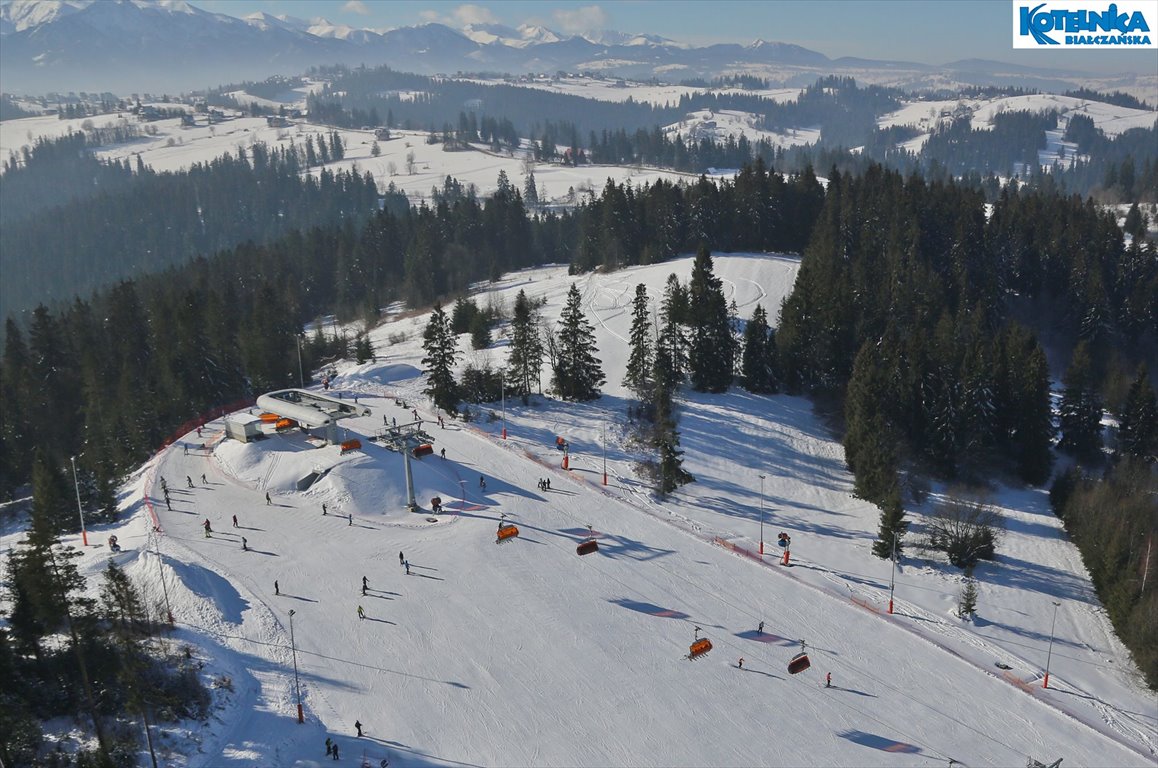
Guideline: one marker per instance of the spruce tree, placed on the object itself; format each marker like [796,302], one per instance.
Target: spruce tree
[525,361]
[667,443]
[967,605]
[893,525]
[1138,421]
[673,315]
[758,361]
[578,375]
[869,440]
[711,351]
[639,364]
[441,347]
[1081,411]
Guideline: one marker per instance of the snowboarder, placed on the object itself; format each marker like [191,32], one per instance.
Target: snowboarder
[188,481]
[361,613]
[235,521]
[358,725]
[208,529]
[740,663]
[760,629]
[482,482]
[198,431]
[394,421]
[385,422]
[401,559]
[548,483]
[268,500]
[406,565]
[335,750]
[444,454]
[441,423]
[324,510]
[244,544]
[329,746]
[277,591]
[203,480]
[828,680]
[350,518]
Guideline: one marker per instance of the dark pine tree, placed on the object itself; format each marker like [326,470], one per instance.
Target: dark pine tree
[870,443]
[674,314]
[441,347]
[712,348]
[641,360]
[758,361]
[892,527]
[667,444]
[578,374]
[525,361]
[1081,410]
[1138,421]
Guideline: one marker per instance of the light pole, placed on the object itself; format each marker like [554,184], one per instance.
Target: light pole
[503,386]
[301,377]
[893,575]
[1045,683]
[762,514]
[605,454]
[80,511]
[297,683]
[161,570]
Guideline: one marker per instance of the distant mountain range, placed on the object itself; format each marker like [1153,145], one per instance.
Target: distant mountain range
[126,46]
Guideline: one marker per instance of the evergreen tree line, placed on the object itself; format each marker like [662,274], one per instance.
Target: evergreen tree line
[1111,519]
[151,221]
[99,663]
[911,321]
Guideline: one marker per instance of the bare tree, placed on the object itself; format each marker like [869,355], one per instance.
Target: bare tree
[392,168]
[410,163]
[965,529]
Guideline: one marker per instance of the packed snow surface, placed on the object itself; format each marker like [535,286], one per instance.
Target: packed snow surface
[524,653]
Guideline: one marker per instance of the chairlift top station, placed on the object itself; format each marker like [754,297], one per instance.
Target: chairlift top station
[310,409]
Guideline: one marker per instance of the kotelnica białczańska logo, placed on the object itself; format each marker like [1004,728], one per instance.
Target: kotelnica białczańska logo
[1085,24]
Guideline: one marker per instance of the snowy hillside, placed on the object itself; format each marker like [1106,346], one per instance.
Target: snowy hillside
[527,654]
[175,147]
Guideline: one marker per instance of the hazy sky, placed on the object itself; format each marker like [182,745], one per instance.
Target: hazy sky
[926,31]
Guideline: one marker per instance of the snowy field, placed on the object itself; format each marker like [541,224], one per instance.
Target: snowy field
[718,125]
[527,654]
[175,148]
[926,115]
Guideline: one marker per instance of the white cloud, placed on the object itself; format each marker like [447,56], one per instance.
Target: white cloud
[356,6]
[589,18]
[474,14]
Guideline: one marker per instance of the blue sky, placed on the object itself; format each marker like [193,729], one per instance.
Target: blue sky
[926,31]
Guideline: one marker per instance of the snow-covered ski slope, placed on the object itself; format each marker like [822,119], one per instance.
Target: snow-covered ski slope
[525,654]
